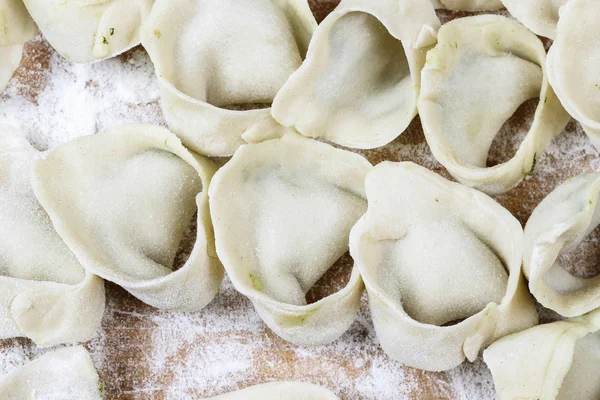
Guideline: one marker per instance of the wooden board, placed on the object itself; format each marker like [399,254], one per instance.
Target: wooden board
[143,353]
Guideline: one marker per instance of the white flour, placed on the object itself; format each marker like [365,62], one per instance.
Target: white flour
[142,353]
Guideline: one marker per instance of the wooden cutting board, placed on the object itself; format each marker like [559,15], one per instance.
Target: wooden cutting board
[143,353]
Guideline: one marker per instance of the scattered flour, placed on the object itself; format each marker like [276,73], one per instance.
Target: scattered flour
[143,353]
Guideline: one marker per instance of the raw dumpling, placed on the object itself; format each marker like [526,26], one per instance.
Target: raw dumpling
[123,201]
[541,16]
[482,69]
[89,30]
[280,391]
[359,84]
[574,64]
[283,210]
[553,235]
[65,374]
[214,57]
[558,361]
[45,294]
[442,267]
[468,5]
[16,28]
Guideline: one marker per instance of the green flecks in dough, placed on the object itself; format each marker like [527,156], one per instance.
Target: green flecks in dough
[437,200]
[112,31]
[157,33]
[290,321]
[533,165]
[101,386]
[257,283]
[104,40]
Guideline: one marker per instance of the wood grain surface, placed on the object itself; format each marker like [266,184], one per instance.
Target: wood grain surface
[144,353]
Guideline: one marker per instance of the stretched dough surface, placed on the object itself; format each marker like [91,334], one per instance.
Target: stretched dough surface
[338,96]
[557,361]
[84,31]
[442,266]
[298,199]
[482,69]
[280,391]
[65,374]
[214,56]
[468,5]
[540,16]
[45,294]
[123,200]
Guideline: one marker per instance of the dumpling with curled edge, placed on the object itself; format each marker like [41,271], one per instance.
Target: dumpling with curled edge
[84,31]
[574,64]
[282,211]
[16,28]
[540,16]
[65,374]
[123,202]
[482,69]
[45,294]
[558,238]
[468,5]
[339,96]
[215,58]
[442,267]
[279,391]
[557,361]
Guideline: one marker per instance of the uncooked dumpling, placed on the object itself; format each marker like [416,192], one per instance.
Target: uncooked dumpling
[442,267]
[557,361]
[214,56]
[468,5]
[45,294]
[482,69]
[123,201]
[541,16]
[89,30]
[558,229]
[65,374]
[574,64]
[16,28]
[280,391]
[282,211]
[359,84]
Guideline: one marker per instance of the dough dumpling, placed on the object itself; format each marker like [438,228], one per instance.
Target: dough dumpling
[468,5]
[89,30]
[123,201]
[45,294]
[280,391]
[482,69]
[283,210]
[557,228]
[442,266]
[540,16]
[65,374]
[16,28]
[216,57]
[557,361]
[574,64]
[359,84]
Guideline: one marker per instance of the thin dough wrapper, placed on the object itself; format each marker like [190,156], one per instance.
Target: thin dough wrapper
[482,69]
[16,28]
[419,247]
[338,96]
[298,200]
[123,201]
[558,225]
[214,56]
[89,30]
[280,391]
[468,5]
[540,16]
[574,64]
[557,361]
[45,294]
[65,374]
